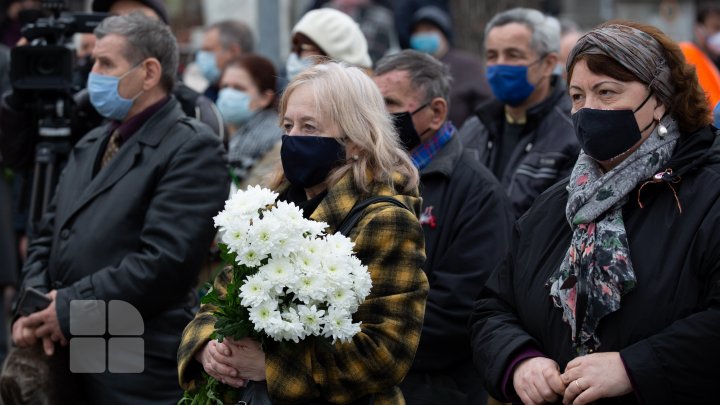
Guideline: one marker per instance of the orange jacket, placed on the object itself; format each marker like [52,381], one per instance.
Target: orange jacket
[707,73]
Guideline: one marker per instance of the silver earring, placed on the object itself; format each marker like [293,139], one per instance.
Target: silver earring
[355,157]
[662,130]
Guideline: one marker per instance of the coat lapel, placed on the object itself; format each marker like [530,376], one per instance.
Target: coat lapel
[150,134]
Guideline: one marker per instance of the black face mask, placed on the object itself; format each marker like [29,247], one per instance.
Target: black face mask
[606,134]
[406,129]
[307,160]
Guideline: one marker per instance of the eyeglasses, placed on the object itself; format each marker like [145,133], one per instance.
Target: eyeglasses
[299,49]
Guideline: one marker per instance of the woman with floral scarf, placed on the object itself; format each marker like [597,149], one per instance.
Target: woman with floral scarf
[612,291]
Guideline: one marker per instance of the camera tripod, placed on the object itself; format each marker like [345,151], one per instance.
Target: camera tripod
[50,156]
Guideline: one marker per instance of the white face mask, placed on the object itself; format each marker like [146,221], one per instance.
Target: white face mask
[295,65]
[713,43]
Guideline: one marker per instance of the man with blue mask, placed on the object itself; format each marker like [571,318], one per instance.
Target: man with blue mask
[222,42]
[525,135]
[131,221]
[466,223]
[432,32]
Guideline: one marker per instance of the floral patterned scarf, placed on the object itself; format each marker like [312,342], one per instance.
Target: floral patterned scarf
[597,271]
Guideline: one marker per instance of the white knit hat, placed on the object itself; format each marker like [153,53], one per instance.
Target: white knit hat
[337,34]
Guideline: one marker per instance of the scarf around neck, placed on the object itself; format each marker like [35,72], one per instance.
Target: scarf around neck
[597,271]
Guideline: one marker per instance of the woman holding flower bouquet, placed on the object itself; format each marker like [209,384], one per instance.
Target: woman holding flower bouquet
[340,150]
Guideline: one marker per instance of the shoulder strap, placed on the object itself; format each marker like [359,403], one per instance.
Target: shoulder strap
[357,211]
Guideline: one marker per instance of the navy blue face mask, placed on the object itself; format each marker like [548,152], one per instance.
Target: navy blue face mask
[606,134]
[307,160]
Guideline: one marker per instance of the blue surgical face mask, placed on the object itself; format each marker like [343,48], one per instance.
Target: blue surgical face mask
[295,65]
[105,97]
[234,105]
[208,65]
[428,42]
[509,83]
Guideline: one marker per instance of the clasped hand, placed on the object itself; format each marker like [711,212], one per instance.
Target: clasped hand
[586,379]
[233,362]
[43,325]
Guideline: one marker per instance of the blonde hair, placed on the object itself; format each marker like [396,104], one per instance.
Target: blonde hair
[349,98]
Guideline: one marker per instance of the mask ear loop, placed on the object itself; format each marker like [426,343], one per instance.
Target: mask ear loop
[122,76]
[420,108]
[641,106]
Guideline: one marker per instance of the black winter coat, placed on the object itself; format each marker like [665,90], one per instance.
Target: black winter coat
[467,224]
[544,155]
[138,231]
[667,329]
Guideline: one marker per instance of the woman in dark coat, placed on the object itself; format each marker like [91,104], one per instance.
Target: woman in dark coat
[612,290]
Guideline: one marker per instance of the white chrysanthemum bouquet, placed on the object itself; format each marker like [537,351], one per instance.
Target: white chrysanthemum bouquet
[290,279]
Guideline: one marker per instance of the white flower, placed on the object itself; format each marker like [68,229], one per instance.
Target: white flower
[261,236]
[235,238]
[342,298]
[310,287]
[255,291]
[305,282]
[339,325]
[315,247]
[362,284]
[305,260]
[249,256]
[337,272]
[291,328]
[340,244]
[252,199]
[287,212]
[311,318]
[265,316]
[314,228]
[245,204]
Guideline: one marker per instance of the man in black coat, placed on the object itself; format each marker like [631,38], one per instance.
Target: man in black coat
[131,220]
[466,222]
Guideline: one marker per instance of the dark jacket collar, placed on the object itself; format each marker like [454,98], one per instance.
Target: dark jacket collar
[695,150]
[492,113]
[130,127]
[444,162]
[169,112]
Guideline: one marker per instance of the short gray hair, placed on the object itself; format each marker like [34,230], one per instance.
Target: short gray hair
[146,38]
[426,73]
[234,32]
[545,29]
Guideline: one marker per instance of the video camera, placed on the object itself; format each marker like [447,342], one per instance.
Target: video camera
[46,63]
[42,74]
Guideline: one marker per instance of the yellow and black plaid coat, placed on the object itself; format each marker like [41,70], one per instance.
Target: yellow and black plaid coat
[389,240]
